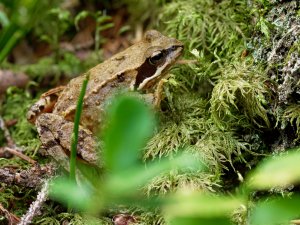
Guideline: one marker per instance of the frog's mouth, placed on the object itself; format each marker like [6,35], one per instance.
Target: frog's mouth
[149,74]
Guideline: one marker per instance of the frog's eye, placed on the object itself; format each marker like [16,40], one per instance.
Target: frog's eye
[156,58]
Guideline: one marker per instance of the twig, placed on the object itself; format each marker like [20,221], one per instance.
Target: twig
[36,205]
[20,155]
[12,147]
[12,219]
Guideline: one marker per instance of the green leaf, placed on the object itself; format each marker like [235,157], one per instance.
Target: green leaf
[130,124]
[200,205]
[130,181]
[61,14]
[277,171]
[67,192]
[3,19]
[200,221]
[74,137]
[276,211]
[80,16]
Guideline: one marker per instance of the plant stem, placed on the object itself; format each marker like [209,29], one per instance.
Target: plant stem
[74,137]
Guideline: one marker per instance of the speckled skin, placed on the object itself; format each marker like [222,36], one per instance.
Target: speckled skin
[117,73]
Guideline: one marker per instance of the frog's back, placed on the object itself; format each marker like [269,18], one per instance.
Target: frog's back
[104,79]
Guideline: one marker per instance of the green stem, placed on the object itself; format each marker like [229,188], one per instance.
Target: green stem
[74,138]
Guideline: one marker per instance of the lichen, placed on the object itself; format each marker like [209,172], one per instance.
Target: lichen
[280,54]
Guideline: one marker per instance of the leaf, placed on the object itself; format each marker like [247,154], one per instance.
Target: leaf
[3,19]
[128,182]
[200,221]
[276,211]
[277,171]
[74,137]
[130,124]
[67,192]
[80,16]
[200,205]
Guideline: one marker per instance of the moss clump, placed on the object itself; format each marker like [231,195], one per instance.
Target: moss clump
[217,29]
[240,97]
[181,126]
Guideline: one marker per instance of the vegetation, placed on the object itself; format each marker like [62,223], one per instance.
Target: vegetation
[232,106]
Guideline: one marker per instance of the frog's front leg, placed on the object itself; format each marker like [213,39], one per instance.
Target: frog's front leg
[158,94]
[55,134]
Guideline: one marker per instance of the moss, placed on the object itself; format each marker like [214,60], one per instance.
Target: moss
[292,115]
[15,107]
[180,126]
[16,199]
[207,102]
[240,97]
[217,29]
[177,180]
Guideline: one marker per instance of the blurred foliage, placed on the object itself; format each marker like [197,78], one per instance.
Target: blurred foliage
[20,16]
[102,23]
[57,21]
[129,124]
[220,107]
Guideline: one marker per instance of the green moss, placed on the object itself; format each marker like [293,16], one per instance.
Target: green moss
[15,107]
[217,29]
[16,199]
[239,99]
[292,115]
[177,180]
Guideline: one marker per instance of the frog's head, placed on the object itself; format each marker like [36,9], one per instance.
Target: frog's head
[160,54]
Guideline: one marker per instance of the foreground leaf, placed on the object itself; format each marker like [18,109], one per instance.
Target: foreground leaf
[200,221]
[276,171]
[68,192]
[276,211]
[200,205]
[131,180]
[130,124]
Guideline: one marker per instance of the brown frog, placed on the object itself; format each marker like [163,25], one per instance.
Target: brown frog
[140,68]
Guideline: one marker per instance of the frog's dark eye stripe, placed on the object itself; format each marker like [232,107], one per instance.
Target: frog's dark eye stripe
[150,66]
[157,58]
[146,70]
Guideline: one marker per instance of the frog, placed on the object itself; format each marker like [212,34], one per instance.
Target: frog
[141,68]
